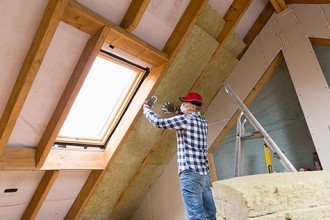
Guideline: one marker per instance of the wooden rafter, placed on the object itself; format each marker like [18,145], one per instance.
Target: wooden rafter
[71,91]
[134,14]
[134,111]
[30,67]
[279,5]
[257,26]
[40,194]
[88,21]
[254,92]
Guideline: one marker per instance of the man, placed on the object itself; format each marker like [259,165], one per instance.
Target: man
[191,131]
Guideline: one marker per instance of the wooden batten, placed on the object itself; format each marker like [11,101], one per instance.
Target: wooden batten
[134,14]
[320,41]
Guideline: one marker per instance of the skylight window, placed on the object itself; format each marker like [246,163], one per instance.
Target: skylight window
[101,102]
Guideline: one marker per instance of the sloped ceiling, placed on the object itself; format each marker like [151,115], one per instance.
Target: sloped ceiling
[109,184]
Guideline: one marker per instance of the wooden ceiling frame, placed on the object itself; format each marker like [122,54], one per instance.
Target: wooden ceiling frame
[176,40]
[233,15]
[134,14]
[30,67]
[40,194]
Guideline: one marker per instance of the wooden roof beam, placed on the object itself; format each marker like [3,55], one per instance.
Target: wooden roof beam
[40,194]
[279,5]
[30,67]
[134,14]
[174,43]
[71,91]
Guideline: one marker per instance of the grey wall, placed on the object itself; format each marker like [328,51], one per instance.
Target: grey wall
[277,108]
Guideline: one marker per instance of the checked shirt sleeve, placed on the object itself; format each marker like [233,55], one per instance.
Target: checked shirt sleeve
[177,122]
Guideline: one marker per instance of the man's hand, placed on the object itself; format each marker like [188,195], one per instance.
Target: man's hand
[168,107]
[150,102]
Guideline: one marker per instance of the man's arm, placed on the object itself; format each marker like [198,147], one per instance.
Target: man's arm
[177,122]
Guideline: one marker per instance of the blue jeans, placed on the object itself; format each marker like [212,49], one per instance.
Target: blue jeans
[197,196]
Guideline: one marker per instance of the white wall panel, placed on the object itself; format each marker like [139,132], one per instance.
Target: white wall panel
[270,42]
[326,11]
[288,27]
[313,94]
[248,71]
[310,15]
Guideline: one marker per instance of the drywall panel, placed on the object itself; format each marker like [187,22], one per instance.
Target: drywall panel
[250,68]
[133,198]
[164,201]
[308,16]
[288,27]
[19,21]
[219,113]
[25,181]
[309,82]
[67,185]
[153,31]
[12,212]
[54,210]
[326,11]
[169,11]
[113,10]
[54,73]
[270,42]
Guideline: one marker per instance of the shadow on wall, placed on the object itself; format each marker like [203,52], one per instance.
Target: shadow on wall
[278,110]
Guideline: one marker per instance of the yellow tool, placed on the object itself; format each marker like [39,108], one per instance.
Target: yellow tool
[268,159]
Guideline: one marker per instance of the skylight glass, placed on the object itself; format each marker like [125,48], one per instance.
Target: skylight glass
[102,97]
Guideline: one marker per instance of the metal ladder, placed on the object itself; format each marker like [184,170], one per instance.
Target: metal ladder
[259,132]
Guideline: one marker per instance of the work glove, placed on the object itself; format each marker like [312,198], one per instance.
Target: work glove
[150,102]
[168,107]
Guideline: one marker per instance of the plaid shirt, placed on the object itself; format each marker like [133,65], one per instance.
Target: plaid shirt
[191,131]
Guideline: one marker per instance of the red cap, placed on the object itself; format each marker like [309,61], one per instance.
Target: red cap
[193,98]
